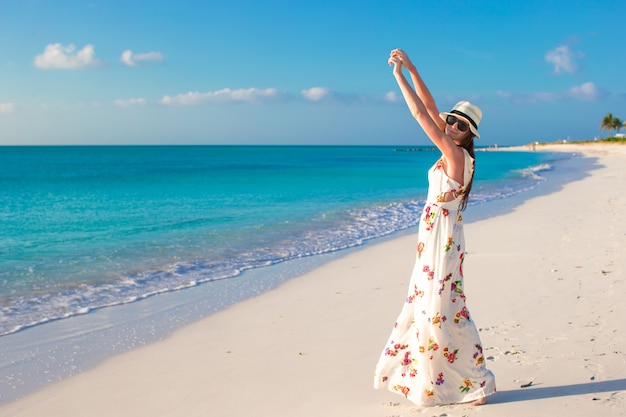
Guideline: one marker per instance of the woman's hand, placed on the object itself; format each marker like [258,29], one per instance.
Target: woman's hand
[397,64]
[404,58]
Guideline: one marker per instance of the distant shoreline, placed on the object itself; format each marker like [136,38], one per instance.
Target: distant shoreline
[577,146]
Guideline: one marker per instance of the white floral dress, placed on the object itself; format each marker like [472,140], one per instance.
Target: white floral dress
[434,355]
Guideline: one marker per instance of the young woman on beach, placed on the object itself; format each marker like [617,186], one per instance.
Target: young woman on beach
[434,355]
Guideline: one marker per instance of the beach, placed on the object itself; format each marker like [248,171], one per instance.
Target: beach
[544,284]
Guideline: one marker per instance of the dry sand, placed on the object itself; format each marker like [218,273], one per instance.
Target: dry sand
[544,283]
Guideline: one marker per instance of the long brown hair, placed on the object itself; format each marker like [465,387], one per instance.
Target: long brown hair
[468,145]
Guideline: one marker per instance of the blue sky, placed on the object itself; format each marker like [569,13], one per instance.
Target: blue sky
[302,72]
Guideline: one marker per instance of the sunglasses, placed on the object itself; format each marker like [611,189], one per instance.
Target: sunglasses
[461,124]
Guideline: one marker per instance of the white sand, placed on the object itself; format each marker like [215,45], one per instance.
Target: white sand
[544,283]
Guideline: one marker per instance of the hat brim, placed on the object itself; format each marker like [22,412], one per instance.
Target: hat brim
[444,114]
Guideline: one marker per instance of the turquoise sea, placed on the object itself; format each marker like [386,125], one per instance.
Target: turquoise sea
[84,228]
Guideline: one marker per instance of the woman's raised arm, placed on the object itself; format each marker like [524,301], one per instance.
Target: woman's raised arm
[420,87]
[451,152]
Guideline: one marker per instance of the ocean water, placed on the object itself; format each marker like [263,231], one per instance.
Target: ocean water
[82,228]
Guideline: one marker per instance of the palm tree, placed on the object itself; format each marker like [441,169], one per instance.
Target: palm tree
[611,122]
[608,123]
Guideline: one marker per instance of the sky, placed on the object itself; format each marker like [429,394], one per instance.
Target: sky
[112,72]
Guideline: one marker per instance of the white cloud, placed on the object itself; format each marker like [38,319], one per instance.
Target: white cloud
[130,59]
[587,92]
[563,59]
[226,95]
[56,55]
[251,95]
[130,102]
[7,107]
[316,93]
[392,97]
[584,92]
[323,94]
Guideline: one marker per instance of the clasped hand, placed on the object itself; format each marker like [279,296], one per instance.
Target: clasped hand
[399,58]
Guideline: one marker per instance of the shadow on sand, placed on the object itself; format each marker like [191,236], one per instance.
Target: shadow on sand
[538,393]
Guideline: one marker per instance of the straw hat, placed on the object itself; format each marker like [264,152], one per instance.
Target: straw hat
[468,111]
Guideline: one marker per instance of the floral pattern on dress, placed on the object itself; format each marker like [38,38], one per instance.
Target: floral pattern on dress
[434,354]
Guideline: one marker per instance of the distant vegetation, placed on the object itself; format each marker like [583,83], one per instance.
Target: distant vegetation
[614,139]
[606,140]
[610,123]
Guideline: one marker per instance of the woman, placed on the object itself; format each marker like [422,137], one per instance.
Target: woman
[434,355]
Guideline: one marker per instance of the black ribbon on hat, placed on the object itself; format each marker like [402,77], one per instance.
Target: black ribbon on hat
[460,113]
